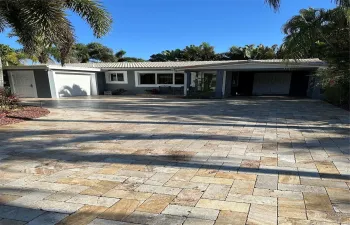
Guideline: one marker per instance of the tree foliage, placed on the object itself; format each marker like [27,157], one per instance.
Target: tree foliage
[13,57]
[99,52]
[324,34]
[120,57]
[42,24]
[92,52]
[206,52]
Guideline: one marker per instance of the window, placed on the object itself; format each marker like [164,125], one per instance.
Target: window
[147,78]
[164,78]
[179,78]
[159,78]
[204,81]
[118,77]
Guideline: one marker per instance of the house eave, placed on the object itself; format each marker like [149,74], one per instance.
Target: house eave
[51,67]
[253,65]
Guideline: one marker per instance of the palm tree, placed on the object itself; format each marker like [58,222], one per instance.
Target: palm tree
[313,31]
[324,34]
[81,53]
[40,24]
[13,57]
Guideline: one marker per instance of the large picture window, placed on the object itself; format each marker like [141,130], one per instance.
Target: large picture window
[159,78]
[179,78]
[165,78]
[147,78]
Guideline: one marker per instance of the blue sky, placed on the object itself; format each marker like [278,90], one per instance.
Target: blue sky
[145,27]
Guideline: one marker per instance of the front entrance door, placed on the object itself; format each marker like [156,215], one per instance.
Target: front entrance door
[23,83]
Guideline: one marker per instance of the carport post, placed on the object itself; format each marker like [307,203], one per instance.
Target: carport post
[219,83]
[187,82]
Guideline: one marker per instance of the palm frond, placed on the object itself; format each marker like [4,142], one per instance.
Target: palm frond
[342,3]
[40,24]
[275,4]
[93,12]
[3,23]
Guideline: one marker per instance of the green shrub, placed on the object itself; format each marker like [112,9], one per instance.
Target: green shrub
[337,95]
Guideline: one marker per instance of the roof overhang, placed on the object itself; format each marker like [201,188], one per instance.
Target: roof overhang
[238,65]
[256,65]
[51,67]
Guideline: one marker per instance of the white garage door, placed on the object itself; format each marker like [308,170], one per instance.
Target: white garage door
[271,83]
[73,84]
[23,83]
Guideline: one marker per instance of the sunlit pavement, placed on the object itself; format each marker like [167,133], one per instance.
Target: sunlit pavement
[173,161]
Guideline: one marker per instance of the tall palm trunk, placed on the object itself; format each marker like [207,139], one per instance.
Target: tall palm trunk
[1,75]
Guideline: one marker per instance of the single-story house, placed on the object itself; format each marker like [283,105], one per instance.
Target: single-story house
[218,78]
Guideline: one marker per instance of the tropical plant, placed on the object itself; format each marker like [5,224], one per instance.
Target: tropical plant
[81,53]
[324,33]
[13,57]
[41,24]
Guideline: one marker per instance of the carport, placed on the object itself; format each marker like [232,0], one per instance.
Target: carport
[254,77]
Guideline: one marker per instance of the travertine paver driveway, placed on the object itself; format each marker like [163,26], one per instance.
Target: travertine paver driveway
[162,161]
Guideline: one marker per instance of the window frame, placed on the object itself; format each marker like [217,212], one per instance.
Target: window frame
[137,78]
[174,77]
[171,75]
[108,77]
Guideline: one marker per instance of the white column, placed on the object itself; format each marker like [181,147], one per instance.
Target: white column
[51,75]
[224,85]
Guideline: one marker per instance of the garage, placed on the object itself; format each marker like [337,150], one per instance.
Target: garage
[271,83]
[23,83]
[52,81]
[69,84]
